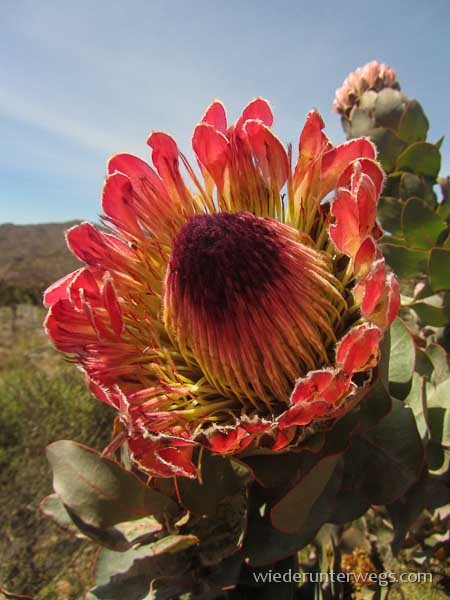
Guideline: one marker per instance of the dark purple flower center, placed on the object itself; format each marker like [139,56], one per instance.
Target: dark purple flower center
[218,259]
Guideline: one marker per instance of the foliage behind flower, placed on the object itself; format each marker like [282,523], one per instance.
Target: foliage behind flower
[241,312]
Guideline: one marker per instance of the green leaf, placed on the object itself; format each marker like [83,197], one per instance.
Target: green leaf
[376,405]
[292,511]
[280,471]
[361,122]
[417,402]
[440,141]
[402,353]
[129,575]
[405,262]
[438,459]
[381,464]
[431,315]
[52,507]
[404,512]
[413,124]
[439,266]
[99,491]
[389,107]
[424,366]
[439,414]
[438,357]
[432,312]
[389,147]
[411,185]
[119,538]
[420,158]
[221,536]
[390,212]
[443,211]
[420,224]
[264,544]
[221,477]
[367,100]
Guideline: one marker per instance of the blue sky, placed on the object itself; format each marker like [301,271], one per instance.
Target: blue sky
[83,80]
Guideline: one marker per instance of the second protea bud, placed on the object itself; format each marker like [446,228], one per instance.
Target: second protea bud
[369,97]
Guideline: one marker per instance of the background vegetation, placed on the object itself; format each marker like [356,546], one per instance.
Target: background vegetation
[42,399]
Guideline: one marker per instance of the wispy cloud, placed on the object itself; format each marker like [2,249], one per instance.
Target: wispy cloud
[16,106]
[85,79]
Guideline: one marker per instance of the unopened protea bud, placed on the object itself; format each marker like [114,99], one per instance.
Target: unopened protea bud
[369,101]
[366,81]
[361,88]
[227,316]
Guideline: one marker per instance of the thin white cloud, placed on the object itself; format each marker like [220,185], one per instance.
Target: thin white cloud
[15,106]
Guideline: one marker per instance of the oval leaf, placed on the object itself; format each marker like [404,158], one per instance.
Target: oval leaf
[405,262]
[414,124]
[389,147]
[381,464]
[440,269]
[389,107]
[99,491]
[402,353]
[389,212]
[421,225]
[421,158]
[291,513]
[221,477]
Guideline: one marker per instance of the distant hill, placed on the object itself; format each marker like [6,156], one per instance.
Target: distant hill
[32,257]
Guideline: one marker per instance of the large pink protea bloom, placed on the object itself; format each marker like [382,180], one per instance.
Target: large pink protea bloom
[230,315]
[372,77]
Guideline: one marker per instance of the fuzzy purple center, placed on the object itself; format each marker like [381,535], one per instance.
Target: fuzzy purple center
[218,259]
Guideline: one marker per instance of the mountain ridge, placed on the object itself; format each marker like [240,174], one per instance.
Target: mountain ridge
[33,256]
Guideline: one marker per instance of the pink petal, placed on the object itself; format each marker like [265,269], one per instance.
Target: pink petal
[229,441]
[303,414]
[358,349]
[368,252]
[315,396]
[101,392]
[367,166]
[138,171]
[96,248]
[258,109]
[215,115]
[313,142]
[283,438]
[86,283]
[68,328]
[345,231]
[162,458]
[336,160]
[389,305]
[212,150]
[117,203]
[179,461]
[369,289]
[112,306]
[354,211]
[165,152]
[269,152]
[130,165]
[59,289]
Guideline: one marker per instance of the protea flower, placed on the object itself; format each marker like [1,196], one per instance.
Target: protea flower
[369,80]
[241,312]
